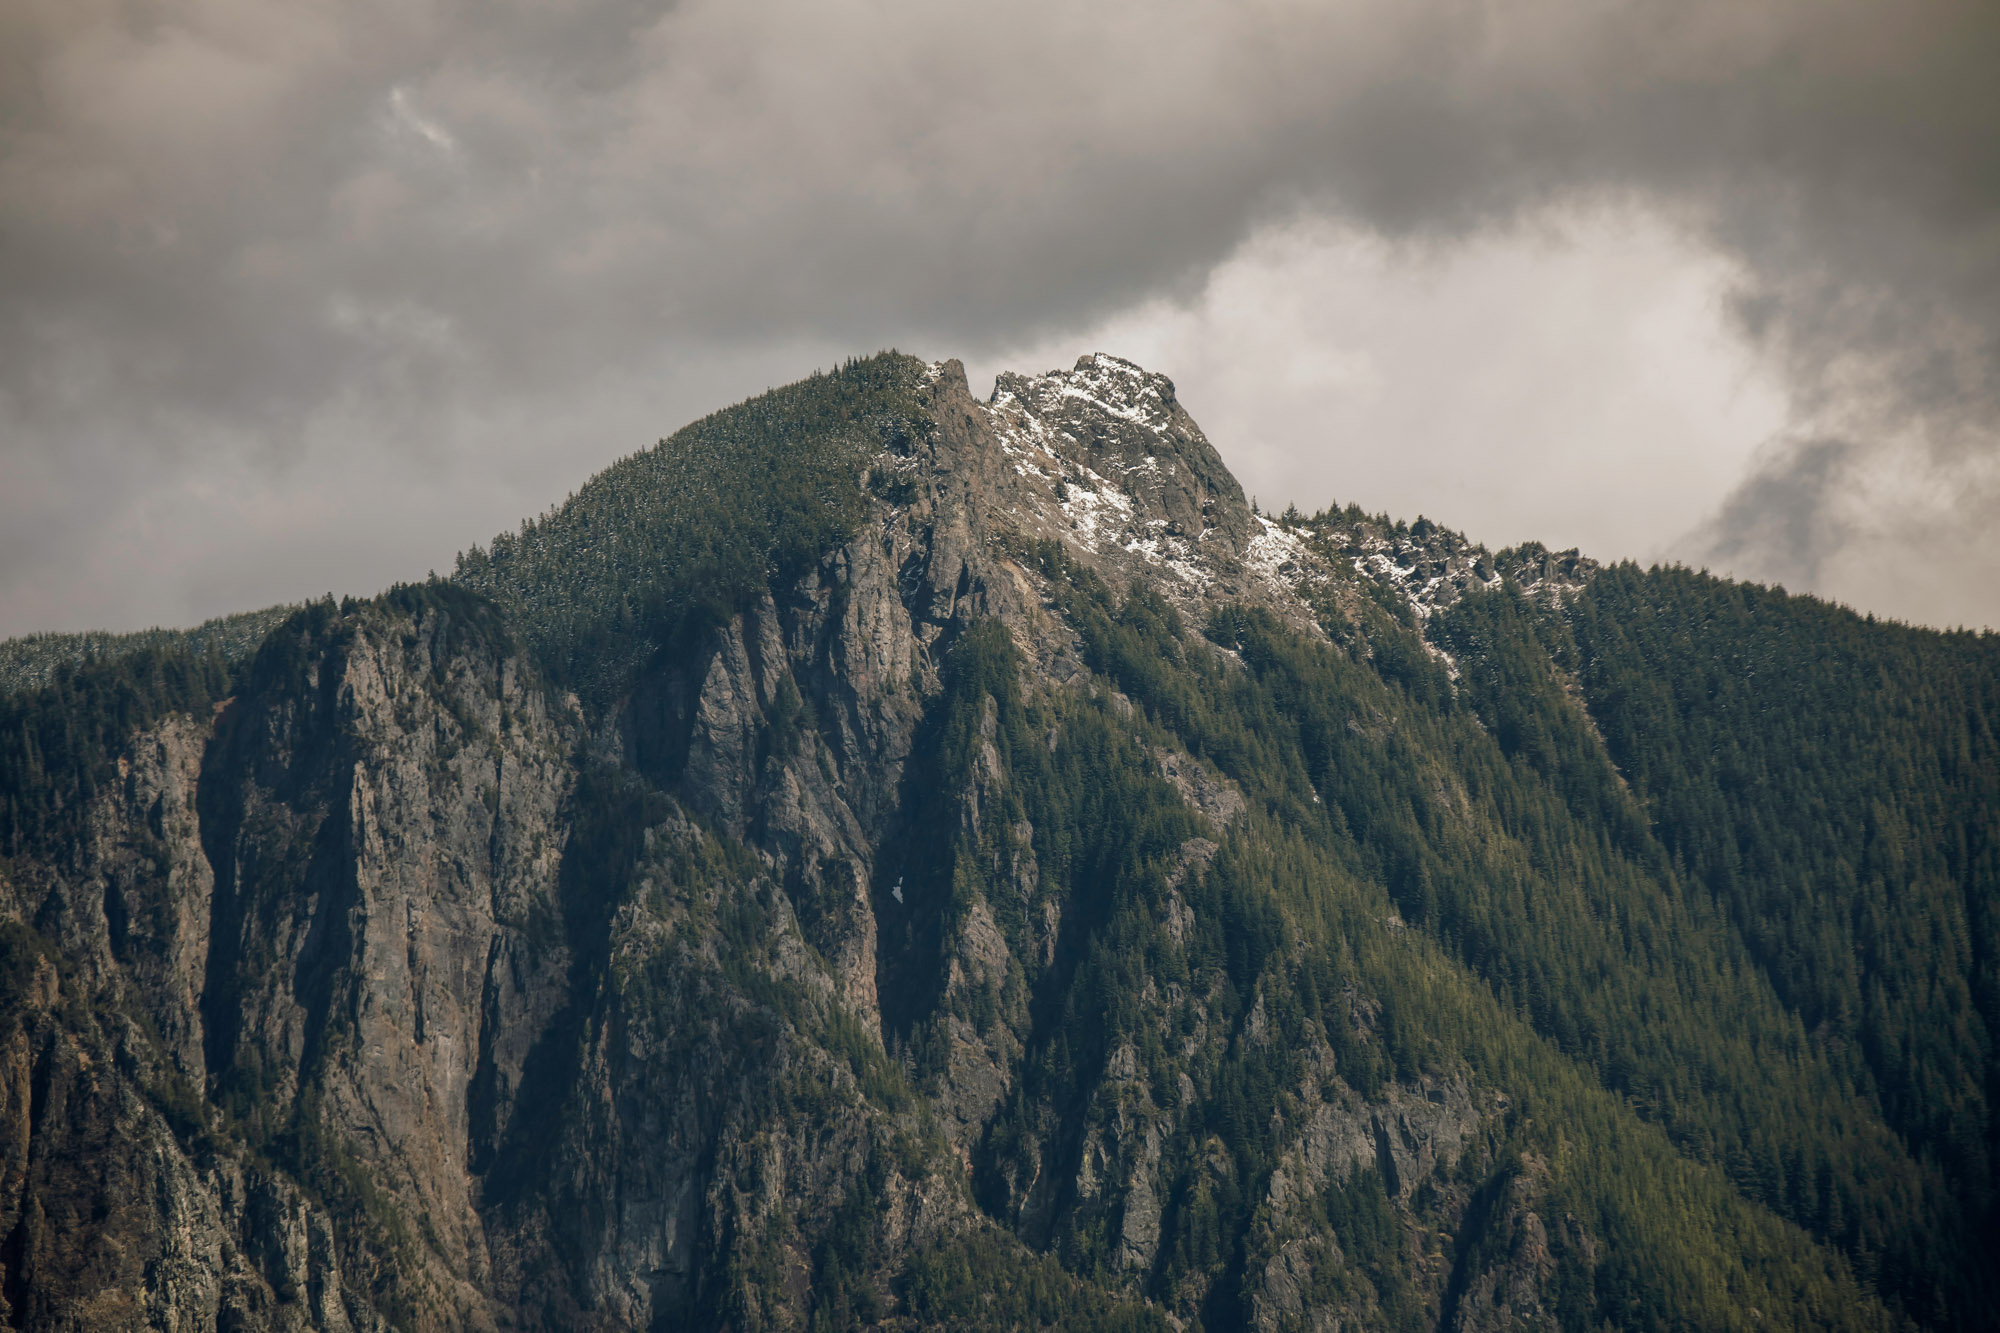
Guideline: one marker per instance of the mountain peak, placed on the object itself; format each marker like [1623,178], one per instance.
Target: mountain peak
[1105,459]
[1107,384]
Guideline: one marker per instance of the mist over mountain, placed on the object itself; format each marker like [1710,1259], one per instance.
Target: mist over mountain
[886,859]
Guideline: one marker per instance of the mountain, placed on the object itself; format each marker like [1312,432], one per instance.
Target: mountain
[885,859]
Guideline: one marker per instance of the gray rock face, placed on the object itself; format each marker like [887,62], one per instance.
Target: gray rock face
[1106,460]
[400,993]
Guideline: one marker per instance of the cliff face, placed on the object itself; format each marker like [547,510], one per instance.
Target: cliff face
[391,990]
[869,930]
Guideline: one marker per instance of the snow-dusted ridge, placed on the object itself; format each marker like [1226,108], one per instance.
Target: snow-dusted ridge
[1110,464]
[1104,458]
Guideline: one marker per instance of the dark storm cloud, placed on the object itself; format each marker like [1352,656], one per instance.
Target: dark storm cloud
[1780,518]
[227,227]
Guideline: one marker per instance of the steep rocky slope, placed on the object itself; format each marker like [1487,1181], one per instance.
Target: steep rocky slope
[948,885]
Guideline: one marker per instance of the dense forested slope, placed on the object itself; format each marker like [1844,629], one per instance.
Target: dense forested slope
[882,859]
[1831,786]
[33,661]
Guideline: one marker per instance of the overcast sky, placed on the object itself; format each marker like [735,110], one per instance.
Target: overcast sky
[307,296]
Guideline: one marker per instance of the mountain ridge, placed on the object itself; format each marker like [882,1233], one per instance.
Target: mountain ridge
[883,858]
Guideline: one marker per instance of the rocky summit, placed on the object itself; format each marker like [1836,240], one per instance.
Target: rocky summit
[886,859]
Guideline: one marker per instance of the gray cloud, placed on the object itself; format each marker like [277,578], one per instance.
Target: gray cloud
[247,240]
[1781,518]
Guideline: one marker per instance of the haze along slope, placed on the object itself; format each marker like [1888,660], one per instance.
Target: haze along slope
[886,859]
